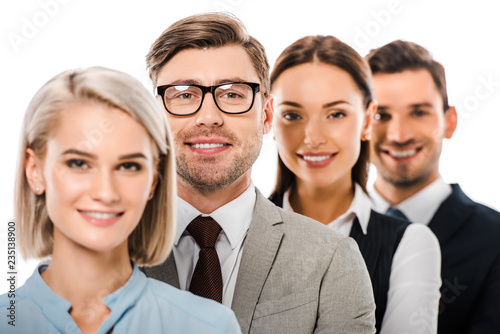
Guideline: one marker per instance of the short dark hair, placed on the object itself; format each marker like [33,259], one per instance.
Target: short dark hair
[206,31]
[399,56]
[331,51]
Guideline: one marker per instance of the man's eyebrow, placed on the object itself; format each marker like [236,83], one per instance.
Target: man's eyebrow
[198,82]
[420,105]
[185,81]
[233,79]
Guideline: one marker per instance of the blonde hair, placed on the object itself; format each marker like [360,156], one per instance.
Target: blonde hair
[152,239]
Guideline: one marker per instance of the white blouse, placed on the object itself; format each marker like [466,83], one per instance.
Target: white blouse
[413,296]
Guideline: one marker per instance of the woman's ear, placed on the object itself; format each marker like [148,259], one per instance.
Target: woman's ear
[34,174]
[162,160]
[366,132]
[153,186]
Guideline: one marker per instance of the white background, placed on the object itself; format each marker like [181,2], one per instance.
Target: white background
[41,38]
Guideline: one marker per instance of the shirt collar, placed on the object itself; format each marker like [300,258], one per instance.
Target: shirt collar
[121,300]
[360,207]
[419,208]
[56,308]
[234,217]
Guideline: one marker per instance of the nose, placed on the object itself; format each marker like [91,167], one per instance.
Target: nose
[103,187]
[209,114]
[398,130]
[314,134]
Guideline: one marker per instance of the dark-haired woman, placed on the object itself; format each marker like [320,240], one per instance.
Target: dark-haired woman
[324,106]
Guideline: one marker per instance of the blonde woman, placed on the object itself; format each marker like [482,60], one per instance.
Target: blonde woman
[95,192]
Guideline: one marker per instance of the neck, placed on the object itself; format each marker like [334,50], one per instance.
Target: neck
[395,194]
[84,277]
[324,204]
[208,202]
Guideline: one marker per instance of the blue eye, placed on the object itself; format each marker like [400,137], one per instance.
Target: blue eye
[77,163]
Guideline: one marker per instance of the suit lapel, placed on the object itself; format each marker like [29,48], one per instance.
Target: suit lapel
[260,248]
[166,272]
[452,214]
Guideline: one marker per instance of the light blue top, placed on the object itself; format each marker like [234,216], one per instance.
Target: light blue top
[142,306]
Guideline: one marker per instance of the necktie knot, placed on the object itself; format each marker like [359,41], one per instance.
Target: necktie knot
[395,212]
[205,231]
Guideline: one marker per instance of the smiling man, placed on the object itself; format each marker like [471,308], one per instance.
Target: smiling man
[412,120]
[280,272]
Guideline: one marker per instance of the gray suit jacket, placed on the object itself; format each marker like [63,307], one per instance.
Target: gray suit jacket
[295,276]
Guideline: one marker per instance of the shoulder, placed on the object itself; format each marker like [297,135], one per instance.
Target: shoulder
[307,228]
[13,295]
[411,232]
[483,215]
[292,224]
[186,306]
[420,237]
[16,306]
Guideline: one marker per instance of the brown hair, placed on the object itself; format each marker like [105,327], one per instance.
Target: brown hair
[328,50]
[152,239]
[210,30]
[399,56]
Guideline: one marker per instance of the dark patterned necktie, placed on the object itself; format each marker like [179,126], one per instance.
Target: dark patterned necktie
[394,212]
[207,275]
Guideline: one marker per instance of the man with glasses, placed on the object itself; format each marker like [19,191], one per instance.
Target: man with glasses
[280,272]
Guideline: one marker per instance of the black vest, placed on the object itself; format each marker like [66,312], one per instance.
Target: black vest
[377,247]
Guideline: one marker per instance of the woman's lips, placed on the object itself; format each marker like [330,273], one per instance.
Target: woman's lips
[317,160]
[100,218]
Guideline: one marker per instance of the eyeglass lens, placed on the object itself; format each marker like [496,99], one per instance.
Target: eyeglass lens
[230,98]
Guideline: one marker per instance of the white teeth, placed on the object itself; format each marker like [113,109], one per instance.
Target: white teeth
[211,145]
[316,157]
[403,154]
[100,215]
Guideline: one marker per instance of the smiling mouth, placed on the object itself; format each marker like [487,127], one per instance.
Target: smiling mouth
[315,157]
[207,145]
[402,154]
[101,215]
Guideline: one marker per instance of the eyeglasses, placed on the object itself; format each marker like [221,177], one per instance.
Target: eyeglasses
[230,97]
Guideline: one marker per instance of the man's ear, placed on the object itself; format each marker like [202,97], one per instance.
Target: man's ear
[451,120]
[366,132]
[33,170]
[268,113]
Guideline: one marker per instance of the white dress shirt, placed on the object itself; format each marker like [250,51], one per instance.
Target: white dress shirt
[234,218]
[421,207]
[413,296]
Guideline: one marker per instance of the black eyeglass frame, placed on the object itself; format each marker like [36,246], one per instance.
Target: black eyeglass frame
[160,90]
